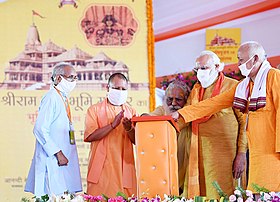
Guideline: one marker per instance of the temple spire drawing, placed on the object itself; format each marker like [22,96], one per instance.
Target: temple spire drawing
[31,69]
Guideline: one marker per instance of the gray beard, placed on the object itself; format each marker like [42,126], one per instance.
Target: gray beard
[170,109]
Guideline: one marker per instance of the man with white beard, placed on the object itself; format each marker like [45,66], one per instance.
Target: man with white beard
[218,144]
[175,98]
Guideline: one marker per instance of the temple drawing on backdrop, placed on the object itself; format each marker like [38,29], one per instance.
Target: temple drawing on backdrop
[222,41]
[32,68]
[109,25]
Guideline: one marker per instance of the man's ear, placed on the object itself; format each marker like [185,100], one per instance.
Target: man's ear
[217,66]
[256,58]
[57,79]
[220,67]
[107,87]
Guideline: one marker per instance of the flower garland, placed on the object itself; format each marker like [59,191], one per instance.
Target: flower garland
[239,195]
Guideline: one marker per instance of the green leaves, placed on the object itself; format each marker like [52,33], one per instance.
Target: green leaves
[25,199]
[122,195]
[44,198]
[220,191]
[105,197]
[259,189]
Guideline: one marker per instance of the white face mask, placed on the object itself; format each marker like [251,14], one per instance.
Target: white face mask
[243,68]
[117,97]
[207,77]
[66,86]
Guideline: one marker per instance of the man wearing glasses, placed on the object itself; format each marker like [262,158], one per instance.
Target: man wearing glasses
[218,150]
[109,130]
[258,97]
[55,166]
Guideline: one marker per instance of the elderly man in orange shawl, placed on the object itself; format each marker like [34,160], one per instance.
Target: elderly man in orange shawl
[108,127]
[257,96]
[218,144]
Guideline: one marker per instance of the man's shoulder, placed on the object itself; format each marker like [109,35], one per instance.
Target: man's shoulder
[229,83]
[50,92]
[273,75]
[128,107]
[50,95]
[96,105]
[159,107]
[102,106]
[274,71]
[230,80]
[195,86]
[159,111]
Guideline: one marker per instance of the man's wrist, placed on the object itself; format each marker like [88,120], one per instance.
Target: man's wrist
[56,154]
[131,128]
[111,124]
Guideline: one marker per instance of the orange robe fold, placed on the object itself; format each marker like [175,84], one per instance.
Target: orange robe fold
[111,161]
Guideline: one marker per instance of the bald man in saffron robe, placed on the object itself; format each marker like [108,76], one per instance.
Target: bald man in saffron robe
[108,127]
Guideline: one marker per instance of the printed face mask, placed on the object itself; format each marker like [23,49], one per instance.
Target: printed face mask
[117,97]
[66,86]
[243,68]
[207,77]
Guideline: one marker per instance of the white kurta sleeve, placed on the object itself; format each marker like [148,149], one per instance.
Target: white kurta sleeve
[43,123]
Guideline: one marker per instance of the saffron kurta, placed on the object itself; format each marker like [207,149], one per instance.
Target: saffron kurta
[52,135]
[219,140]
[183,146]
[111,162]
[263,131]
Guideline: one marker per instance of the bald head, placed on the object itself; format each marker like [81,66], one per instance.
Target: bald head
[252,55]
[251,48]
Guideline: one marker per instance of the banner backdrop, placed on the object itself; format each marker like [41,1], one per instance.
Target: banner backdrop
[224,42]
[98,37]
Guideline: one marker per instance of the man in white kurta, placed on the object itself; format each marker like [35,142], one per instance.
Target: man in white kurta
[55,166]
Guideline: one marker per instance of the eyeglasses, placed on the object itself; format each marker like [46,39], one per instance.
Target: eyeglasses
[70,78]
[202,68]
[117,88]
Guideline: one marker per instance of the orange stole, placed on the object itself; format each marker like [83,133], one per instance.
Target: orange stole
[193,184]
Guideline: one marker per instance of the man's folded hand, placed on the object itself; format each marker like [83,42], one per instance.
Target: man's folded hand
[61,159]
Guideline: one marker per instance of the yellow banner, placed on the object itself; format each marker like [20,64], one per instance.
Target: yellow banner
[224,42]
[98,37]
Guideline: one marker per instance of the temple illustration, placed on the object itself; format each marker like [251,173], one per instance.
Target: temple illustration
[222,41]
[32,68]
